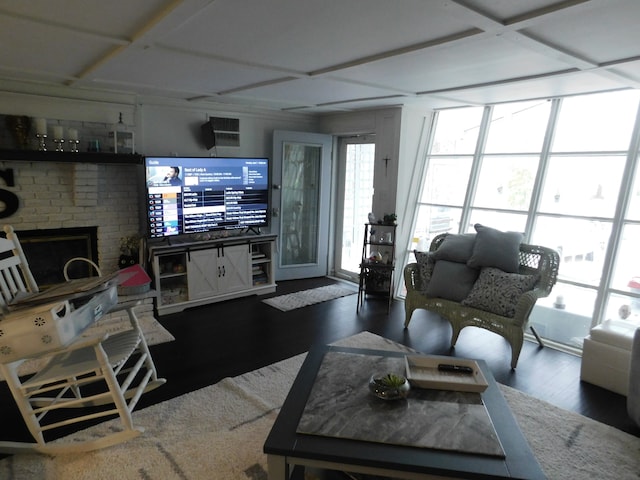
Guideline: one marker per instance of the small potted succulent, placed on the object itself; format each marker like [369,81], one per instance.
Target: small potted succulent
[389,386]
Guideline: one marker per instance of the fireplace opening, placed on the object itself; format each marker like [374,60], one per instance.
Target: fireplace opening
[48,250]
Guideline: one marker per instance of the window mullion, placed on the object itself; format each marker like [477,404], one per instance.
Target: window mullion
[475,168]
[536,194]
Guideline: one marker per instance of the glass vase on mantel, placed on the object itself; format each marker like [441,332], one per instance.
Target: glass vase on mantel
[122,138]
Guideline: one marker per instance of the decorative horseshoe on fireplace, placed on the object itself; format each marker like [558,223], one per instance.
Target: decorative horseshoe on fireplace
[66,266]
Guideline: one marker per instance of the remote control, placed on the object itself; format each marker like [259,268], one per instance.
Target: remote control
[446,367]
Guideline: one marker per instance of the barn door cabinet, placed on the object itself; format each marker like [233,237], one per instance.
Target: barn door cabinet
[197,273]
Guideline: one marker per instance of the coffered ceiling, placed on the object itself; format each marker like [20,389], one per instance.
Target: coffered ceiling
[323,55]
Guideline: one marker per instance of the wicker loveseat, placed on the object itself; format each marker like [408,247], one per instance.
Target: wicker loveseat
[540,262]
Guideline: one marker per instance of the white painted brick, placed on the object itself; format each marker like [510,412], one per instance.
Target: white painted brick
[60,195]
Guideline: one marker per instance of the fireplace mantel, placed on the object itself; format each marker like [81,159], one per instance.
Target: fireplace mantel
[69,157]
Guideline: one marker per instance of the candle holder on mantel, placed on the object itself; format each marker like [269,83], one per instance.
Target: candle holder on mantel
[41,133]
[59,144]
[73,140]
[58,138]
[42,141]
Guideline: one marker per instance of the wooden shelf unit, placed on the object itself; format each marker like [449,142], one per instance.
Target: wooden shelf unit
[376,274]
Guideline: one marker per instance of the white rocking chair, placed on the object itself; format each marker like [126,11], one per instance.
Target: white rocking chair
[107,373]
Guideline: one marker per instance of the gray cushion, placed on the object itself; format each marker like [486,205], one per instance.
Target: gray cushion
[493,248]
[425,268]
[456,248]
[498,292]
[451,280]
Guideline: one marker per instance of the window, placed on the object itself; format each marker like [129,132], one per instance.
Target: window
[555,170]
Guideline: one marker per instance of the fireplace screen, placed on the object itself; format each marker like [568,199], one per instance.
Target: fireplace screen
[48,250]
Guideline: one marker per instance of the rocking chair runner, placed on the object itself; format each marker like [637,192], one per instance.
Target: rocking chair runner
[107,373]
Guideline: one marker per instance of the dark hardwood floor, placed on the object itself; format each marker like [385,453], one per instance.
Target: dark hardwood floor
[236,336]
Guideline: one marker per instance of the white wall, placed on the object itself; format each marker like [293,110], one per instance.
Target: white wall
[175,129]
[56,195]
[385,124]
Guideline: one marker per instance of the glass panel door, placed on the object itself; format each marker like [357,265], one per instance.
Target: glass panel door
[300,179]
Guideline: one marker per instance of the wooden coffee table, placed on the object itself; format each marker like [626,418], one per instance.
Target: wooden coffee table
[289,451]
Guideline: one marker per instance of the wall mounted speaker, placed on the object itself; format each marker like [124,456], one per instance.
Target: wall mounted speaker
[208,135]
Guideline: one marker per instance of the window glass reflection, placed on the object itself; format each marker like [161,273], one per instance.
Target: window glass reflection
[518,127]
[506,182]
[598,122]
[564,316]
[506,222]
[626,272]
[623,307]
[581,244]
[446,181]
[457,131]
[587,186]
[432,221]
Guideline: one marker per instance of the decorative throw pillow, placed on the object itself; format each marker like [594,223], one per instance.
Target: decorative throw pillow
[456,248]
[493,248]
[451,280]
[498,292]
[425,268]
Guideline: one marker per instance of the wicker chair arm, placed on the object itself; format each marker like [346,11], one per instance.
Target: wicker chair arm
[412,277]
[525,304]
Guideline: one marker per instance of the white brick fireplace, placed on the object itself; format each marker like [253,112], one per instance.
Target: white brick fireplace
[56,195]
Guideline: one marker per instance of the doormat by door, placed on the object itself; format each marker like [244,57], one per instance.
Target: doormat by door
[304,298]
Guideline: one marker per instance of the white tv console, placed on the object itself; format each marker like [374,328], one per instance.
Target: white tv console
[190,274]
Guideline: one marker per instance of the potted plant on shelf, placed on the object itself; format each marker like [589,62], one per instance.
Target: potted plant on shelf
[389,219]
[129,251]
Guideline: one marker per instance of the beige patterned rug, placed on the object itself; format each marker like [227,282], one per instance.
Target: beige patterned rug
[304,298]
[218,432]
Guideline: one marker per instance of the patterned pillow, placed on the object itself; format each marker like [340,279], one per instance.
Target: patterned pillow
[425,268]
[498,292]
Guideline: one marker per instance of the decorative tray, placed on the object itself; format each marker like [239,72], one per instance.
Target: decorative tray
[445,373]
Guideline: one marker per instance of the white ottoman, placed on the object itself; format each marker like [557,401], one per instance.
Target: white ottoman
[606,355]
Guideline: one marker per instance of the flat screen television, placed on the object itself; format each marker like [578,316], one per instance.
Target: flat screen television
[202,194]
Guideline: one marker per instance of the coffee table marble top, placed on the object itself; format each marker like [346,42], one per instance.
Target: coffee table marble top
[340,405]
[288,450]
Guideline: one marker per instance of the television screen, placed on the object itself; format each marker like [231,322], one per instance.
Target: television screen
[192,194]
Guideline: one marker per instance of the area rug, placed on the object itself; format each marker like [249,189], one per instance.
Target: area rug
[218,433]
[154,333]
[304,298]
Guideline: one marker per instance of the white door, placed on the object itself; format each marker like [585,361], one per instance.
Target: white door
[301,197]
